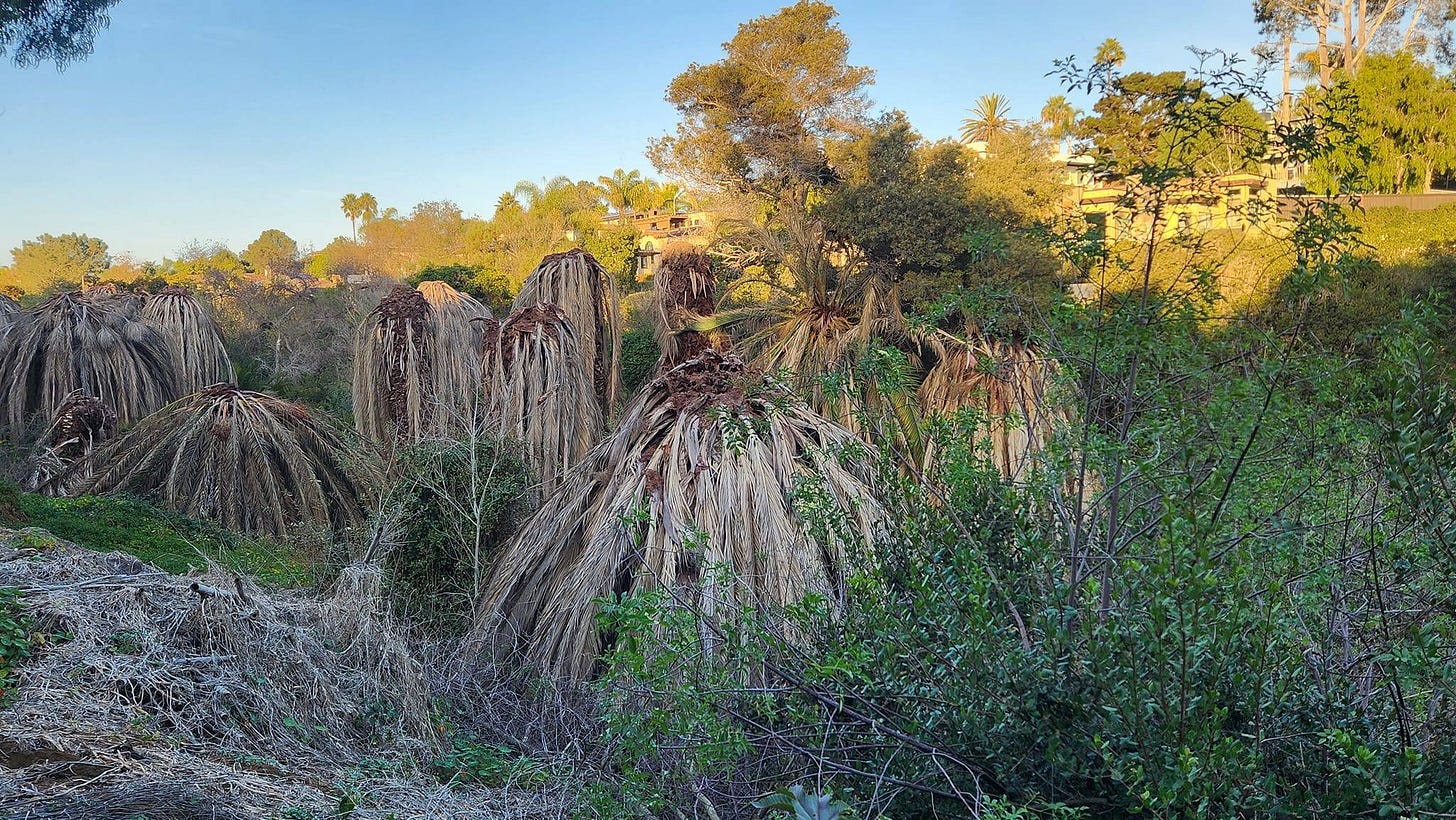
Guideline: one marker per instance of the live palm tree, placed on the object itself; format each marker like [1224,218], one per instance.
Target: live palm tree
[1059,118]
[368,207]
[620,189]
[352,209]
[989,118]
[250,461]
[693,493]
[1110,56]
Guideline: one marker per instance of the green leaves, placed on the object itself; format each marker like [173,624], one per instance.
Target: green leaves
[802,805]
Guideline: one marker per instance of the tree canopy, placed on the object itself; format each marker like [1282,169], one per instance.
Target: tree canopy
[61,31]
[69,260]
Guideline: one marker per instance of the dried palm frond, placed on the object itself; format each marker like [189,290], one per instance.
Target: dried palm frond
[111,296]
[1008,384]
[683,295]
[252,462]
[8,310]
[81,425]
[392,358]
[88,343]
[699,476]
[198,356]
[538,390]
[575,282]
[455,349]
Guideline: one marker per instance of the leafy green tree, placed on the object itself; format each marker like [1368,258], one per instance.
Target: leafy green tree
[69,260]
[621,189]
[33,31]
[273,254]
[1059,118]
[990,118]
[757,121]
[1405,122]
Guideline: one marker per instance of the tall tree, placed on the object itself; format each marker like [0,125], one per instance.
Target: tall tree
[368,206]
[1347,32]
[273,254]
[352,209]
[989,118]
[33,31]
[757,121]
[620,189]
[1059,118]
[70,260]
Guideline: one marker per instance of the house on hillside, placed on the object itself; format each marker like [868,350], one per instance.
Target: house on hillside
[1118,210]
[658,228]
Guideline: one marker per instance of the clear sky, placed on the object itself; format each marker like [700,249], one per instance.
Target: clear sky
[214,120]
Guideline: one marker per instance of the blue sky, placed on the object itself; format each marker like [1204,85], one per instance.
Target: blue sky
[211,120]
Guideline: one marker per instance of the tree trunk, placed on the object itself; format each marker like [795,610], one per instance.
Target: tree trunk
[1285,101]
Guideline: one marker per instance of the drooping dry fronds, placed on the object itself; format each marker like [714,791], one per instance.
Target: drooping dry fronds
[86,342]
[392,358]
[713,452]
[455,350]
[81,425]
[538,390]
[575,282]
[8,308]
[1009,384]
[250,461]
[683,294]
[198,356]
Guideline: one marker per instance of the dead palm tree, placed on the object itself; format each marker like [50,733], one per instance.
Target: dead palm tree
[1011,388]
[454,332]
[538,390]
[90,342]
[989,118]
[713,452]
[198,355]
[62,459]
[392,359]
[576,283]
[252,462]
[684,294]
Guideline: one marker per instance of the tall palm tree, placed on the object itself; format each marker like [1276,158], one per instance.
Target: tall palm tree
[349,204]
[1109,57]
[620,189]
[368,207]
[1059,118]
[989,118]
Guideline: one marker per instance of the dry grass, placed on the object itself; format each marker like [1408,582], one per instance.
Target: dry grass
[92,342]
[198,356]
[62,459]
[683,294]
[210,697]
[250,461]
[392,358]
[575,282]
[538,390]
[710,453]
[1009,385]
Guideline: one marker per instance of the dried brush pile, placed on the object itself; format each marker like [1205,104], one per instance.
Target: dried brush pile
[392,359]
[210,697]
[63,456]
[538,390]
[714,452]
[1009,385]
[8,308]
[454,329]
[94,343]
[252,462]
[198,355]
[683,294]
[575,282]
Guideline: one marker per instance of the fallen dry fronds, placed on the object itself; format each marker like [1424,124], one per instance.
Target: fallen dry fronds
[700,474]
[82,424]
[683,294]
[392,374]
[208,696]
[454,328]
[198,355]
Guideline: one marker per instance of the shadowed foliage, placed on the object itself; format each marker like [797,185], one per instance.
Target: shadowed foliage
[684,294]
[198,356]
[392,368]
[455,352]
[538,390]
[252,462]
[702,473]
[82,424]
[90,342]
[587,295]
[1007,384]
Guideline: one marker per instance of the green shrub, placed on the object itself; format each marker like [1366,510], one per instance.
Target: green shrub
[15,638]
[639,359]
